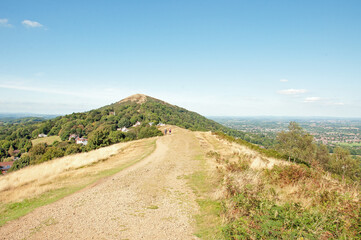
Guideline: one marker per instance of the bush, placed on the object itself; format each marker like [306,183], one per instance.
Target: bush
[52,152]
[38,149]
[291,174]
[146,132]
[264,219]
[20,163]
[73,148]
[116,136]
[99,138]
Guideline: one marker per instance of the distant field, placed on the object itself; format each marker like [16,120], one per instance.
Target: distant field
[48,140]
[350,144]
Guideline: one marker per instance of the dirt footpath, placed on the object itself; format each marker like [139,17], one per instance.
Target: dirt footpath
[149,200]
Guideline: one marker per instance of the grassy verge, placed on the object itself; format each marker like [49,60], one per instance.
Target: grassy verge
[208,221]
[271,153]
[14,210]
[286,202]
[265,152]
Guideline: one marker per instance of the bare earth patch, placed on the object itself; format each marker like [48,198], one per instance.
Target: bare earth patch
[137,98]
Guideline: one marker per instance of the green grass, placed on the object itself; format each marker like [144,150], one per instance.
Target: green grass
[265,219]
[350,144]
[12,211]
[48,140]
[208,221]
[255,211]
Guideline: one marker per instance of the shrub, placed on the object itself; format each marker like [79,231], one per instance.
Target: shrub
[73,148]
[20,163]
[291,174]
[52,152]
[264,219]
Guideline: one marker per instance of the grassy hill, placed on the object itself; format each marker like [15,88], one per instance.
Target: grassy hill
[268,198]
[260,196]
[145,108]
[101,127]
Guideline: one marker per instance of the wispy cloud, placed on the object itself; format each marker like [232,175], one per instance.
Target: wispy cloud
[5,23]
[284,80]
[292,91]
[312,99]
[31,24]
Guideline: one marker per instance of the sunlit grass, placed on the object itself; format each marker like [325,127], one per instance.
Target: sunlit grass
[208,220]
[48,140]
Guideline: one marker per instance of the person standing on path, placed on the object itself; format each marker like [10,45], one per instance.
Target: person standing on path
[165,131]
[170,131]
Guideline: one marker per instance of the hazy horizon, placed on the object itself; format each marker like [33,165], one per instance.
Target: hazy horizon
[259,58]
[29,114]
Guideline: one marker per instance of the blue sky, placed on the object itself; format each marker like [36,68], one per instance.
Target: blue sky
[238,58]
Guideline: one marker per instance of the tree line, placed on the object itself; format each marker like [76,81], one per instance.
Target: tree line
[297,145]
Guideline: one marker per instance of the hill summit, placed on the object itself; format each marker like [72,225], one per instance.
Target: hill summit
[134,117]
[137,98]
[148,109]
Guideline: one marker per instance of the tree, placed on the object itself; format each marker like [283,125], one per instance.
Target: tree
[11,151]
[296,143]
[116,136]
[343,164]
[323,156]
[20,163]
[73,148]
[99,138]
[38,149]
[124,122]
[51,152]
[147,131]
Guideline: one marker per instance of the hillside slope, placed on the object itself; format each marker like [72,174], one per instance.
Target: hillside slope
[196,184]
[148,200]
[154,110]
[137,115]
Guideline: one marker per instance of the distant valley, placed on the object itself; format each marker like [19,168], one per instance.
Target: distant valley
[345,132]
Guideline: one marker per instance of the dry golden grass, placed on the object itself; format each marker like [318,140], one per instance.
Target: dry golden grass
[137,98]
[48,140]
[229,158]
[258,193]
[78,169]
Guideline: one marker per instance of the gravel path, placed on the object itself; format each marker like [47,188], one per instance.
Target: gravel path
[149,200]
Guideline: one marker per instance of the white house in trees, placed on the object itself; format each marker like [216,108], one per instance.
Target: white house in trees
[83,141]
[136,124]
[124,129]
[73,136]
